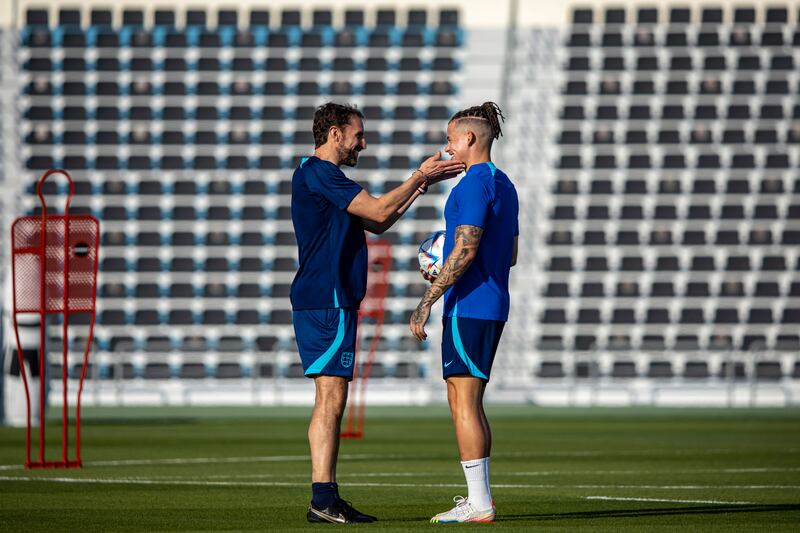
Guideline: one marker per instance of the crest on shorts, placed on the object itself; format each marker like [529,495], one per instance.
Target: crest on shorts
[347,359]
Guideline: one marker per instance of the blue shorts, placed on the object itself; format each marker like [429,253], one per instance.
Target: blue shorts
[469,346]
[326,339]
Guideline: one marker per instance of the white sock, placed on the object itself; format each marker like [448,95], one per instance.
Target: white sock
[476,473]
[488,483]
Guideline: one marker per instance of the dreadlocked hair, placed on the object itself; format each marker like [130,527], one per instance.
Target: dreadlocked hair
[488,111]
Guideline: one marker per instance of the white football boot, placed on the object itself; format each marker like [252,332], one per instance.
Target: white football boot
[465,511]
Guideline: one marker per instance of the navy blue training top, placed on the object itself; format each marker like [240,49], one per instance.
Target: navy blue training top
[485,198]
[332,248]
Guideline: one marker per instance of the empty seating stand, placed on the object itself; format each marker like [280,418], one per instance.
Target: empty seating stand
[655,85]
[184,151]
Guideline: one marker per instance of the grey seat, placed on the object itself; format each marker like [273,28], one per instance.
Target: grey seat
[660,370]
[266,343]
[736,371]
[158,344]
[228,371]
[376,370]
[623,369]
[231,343]
[157,371]
[195,343]
[295,370]
[122,344]
[121,371]
[586,369]
[550,369]
[265,370]
[193,371]
[769,371]
[406,370]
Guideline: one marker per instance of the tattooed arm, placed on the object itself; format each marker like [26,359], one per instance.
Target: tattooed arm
[467,240]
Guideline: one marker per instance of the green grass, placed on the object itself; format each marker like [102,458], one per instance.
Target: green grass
[548,466]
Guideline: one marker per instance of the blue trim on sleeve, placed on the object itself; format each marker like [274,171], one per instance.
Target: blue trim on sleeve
[462,353]
[302,161]
[492,167]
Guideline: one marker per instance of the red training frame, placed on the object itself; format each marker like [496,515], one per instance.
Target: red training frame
[76,281]
[380,261]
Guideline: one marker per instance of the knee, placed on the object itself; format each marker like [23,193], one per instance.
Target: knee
[332,400]
[463,410]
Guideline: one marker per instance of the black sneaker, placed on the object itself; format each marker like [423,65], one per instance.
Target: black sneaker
[340,512]
[356,515]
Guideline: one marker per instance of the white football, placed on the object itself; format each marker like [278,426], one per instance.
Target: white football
[431,253]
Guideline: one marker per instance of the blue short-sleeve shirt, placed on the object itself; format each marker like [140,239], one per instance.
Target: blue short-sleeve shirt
[332,248]
[485,198]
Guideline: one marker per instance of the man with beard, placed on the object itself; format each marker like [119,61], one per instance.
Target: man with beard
[330,213]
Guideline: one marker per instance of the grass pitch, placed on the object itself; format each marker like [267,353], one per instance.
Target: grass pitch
[239,469]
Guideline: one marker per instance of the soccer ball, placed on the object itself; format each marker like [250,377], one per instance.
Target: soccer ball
[430,254]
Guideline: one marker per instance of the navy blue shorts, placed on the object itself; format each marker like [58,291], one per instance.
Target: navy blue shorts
[469,346]
[326,339]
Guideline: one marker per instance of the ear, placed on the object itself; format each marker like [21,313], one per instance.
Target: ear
[471,138]
[335,133]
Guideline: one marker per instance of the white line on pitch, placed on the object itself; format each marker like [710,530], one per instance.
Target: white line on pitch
[288,458]
[208,460]
[711,502]
[259,459]
[640,472]
[756,470]
[222,460]
[146,481]
[600,453]
[497,475]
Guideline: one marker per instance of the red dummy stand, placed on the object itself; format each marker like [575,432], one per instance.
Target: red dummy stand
[372,307]
[54,272]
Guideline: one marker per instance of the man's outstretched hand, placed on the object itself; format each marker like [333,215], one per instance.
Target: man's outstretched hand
[437,169]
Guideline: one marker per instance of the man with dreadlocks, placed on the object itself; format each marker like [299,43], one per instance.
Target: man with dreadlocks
[482,231]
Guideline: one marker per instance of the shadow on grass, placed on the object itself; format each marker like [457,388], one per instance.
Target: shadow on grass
[663,511]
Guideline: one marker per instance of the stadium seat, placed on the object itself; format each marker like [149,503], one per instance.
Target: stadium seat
[406,370]
[295,370]
[228,371]
[157,371]
[192,371]
[586,369]
[659,370]
[550,370]
[732,370]
[696,370]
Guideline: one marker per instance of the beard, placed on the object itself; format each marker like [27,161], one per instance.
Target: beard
[348,157]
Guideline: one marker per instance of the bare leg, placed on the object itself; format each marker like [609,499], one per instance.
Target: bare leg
[485,422]
[324,427]
[465,396]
